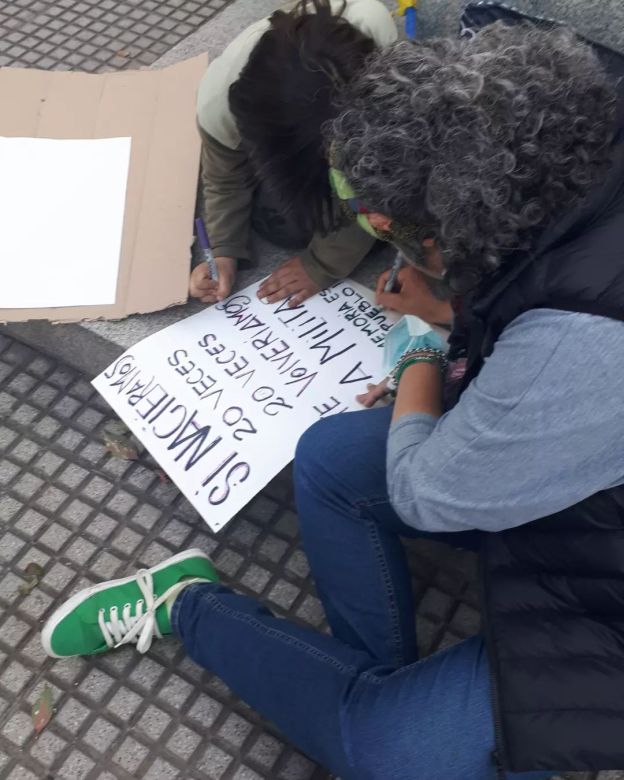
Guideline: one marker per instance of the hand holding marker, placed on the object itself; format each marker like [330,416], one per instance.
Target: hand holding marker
[204,245]
[394,273]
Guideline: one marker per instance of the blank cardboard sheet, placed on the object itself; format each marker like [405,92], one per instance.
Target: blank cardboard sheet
[62,206]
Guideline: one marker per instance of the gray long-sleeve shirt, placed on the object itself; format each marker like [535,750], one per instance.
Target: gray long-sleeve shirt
[539,429]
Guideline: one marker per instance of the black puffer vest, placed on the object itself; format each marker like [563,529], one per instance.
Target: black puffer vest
[554,588]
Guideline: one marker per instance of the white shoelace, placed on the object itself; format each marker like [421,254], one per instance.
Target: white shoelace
[138,624]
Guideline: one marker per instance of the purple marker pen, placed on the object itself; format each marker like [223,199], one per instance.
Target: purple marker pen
[204,244]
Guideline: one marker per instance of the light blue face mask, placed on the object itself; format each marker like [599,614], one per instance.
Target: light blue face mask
[409,333]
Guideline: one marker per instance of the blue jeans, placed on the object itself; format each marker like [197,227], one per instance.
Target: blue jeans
[359,702]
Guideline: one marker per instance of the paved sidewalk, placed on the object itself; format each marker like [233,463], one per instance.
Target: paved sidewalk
[69,506]
[96,35]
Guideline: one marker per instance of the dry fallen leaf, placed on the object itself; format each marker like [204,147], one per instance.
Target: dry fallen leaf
[120,447]
[42,709]
[34,572]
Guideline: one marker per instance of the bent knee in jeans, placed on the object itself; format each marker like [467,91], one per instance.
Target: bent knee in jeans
[345,454]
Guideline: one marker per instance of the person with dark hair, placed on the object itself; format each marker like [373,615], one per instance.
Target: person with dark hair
[506,150]
[261,108]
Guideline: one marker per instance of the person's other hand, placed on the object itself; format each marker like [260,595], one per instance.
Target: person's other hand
[413,296]
[209,290]
[373,394]
[290,278]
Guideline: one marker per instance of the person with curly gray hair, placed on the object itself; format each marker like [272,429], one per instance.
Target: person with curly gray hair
[504,154]
[482,140]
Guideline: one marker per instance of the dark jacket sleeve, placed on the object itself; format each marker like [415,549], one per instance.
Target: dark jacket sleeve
[228,186]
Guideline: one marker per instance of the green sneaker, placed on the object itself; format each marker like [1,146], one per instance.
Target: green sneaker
[118,612]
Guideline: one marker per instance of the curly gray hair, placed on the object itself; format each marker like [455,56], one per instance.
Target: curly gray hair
[487,139]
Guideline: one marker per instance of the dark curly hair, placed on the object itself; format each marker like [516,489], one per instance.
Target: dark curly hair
[487,139]
[286,93]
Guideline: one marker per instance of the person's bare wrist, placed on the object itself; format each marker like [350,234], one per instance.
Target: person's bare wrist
[420,391]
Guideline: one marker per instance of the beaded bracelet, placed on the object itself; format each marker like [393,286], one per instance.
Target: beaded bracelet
[414,356]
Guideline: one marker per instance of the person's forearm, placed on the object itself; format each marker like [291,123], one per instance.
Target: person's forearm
[228,222]
[416,411]
[419,391]
[228,186]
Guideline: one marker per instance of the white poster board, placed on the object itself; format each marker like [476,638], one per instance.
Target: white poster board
[62,204]
[220,399]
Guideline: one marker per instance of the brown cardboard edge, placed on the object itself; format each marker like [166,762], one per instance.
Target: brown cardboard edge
[95,318]
[192,68]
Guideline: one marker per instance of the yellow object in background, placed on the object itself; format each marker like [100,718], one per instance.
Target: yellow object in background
[404,5]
